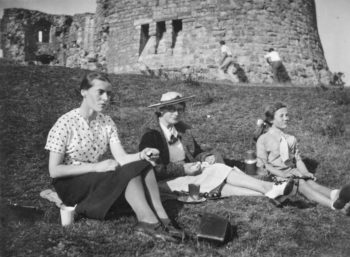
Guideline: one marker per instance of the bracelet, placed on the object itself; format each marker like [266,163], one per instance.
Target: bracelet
[140,156]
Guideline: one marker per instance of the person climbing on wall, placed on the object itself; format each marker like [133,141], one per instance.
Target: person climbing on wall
[226,59]
[275,61]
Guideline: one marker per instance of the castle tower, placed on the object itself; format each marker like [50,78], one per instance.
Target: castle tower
[174,35]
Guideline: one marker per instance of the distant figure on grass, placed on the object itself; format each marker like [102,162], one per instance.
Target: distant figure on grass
[77,142]
[182,161]
[337,79]
[278,69]
[278,154]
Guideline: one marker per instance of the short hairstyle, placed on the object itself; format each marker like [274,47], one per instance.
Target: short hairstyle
[271,110]
[271,49]
[86,83]
[222,42]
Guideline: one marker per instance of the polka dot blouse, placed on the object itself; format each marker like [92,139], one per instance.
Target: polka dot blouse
[80,142]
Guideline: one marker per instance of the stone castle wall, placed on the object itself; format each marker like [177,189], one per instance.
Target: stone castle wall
[174,37]
[20,33]
[183,34]
[65,40]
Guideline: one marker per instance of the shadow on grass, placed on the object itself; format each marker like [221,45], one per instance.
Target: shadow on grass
[311,164]
[17,213]
[292,201]
[236,163]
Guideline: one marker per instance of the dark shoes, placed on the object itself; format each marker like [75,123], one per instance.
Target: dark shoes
[155,230]
[343,197]
[172,230]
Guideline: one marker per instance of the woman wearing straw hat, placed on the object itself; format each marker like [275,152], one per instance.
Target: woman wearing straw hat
[77,142]
[182,161]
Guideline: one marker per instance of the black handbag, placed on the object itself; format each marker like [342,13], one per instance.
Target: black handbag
[213,227]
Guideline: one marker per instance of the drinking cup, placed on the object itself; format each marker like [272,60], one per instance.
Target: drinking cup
[67,215]
[193,190]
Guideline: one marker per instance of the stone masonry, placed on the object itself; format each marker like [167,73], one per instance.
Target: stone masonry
[28,36]
[179,38]
[184,34]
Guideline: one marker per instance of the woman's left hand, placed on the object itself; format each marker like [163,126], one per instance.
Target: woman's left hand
[311,176]
[150,155]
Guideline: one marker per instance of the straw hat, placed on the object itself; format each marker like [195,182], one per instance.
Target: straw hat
[170,98]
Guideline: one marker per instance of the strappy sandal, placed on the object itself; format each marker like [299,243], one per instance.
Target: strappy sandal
[215,193]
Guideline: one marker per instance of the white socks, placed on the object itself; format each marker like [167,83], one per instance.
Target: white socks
[334,196]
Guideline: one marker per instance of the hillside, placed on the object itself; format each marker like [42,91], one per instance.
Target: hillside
[224,117]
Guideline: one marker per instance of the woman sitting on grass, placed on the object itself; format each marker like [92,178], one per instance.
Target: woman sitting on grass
[77,142]
[182,161]
[278,153]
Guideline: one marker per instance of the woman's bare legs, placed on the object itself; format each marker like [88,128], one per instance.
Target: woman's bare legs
[319,188]
[238,178]
[229,190]
[153,190]
[135,196]
[311,194]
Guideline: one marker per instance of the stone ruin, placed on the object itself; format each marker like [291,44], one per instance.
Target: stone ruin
[174,38]
[34,37]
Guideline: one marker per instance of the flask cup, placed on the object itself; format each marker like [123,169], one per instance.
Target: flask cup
[250,162]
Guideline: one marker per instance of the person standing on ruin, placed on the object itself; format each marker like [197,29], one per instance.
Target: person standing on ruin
[226,59]
[62,54]
[275,61]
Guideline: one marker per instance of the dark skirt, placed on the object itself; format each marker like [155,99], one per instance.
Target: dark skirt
[96,192]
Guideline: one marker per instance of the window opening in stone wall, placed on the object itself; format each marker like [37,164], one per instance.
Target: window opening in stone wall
[177,27]
[144,37]
[160,29]
[40,36]
[42,28]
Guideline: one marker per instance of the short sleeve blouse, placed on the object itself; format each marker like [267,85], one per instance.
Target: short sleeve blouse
[226,50]
[80,142]
[268,150]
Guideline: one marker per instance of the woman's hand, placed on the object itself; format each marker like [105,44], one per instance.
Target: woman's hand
[210,159]
[150,155]
[107,165]
[192,168]
[310,175]
[294,172]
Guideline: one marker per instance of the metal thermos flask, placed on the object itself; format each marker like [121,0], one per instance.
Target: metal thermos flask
[250,162]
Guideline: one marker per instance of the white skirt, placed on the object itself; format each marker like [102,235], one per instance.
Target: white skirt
[211,177]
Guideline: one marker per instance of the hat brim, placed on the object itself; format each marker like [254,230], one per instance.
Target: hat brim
[174,101]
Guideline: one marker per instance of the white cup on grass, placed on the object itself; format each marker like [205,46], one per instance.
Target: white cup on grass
[67,214]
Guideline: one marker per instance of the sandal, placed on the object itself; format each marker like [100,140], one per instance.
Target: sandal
[52,196]
[215,193]
[154,230]
[172,230]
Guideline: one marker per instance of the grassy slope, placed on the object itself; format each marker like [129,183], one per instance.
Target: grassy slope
[32,98]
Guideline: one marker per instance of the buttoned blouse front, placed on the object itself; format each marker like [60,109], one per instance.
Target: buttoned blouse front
[79,141]
[268,150]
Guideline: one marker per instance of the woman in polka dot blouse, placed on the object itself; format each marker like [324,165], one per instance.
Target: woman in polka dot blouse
[77,142]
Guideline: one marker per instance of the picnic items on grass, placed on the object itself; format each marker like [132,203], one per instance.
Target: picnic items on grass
[213,227]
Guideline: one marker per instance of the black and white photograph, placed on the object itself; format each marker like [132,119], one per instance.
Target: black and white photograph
[165,128]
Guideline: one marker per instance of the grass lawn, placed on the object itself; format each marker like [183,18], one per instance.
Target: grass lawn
[223,116]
